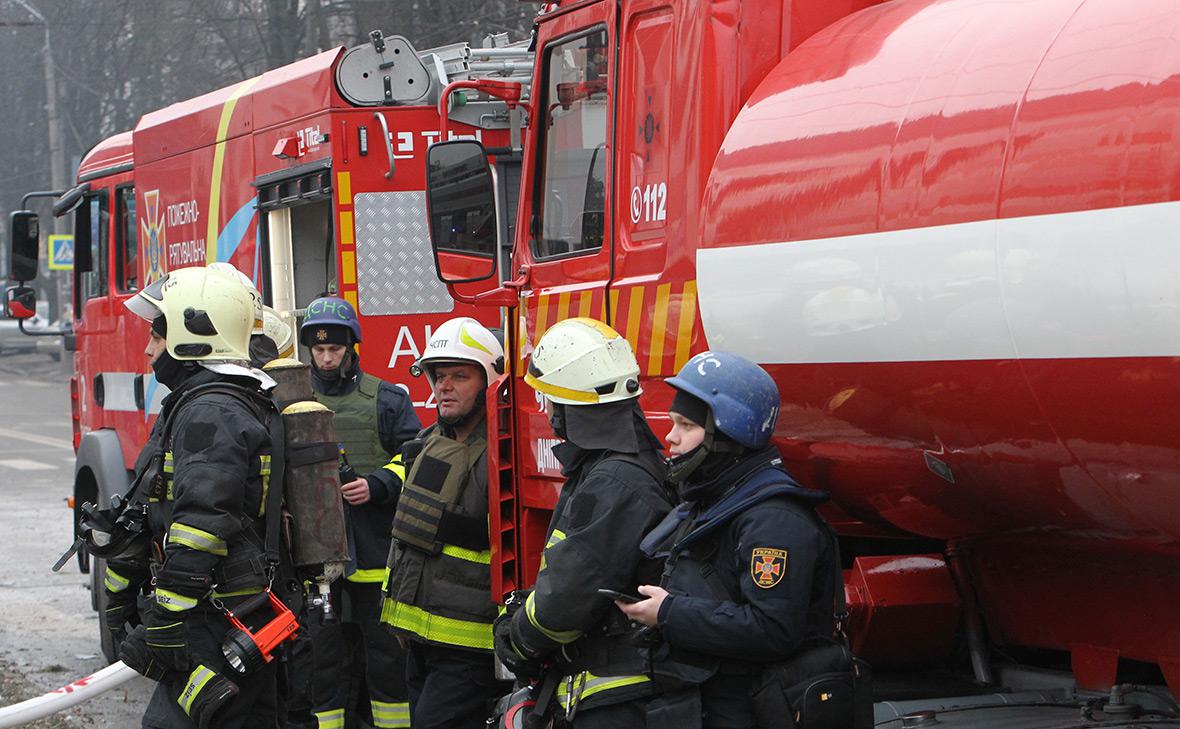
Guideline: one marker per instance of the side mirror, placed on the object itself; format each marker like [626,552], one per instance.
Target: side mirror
[26,238]
[461,206]
[70,201]
[20,302]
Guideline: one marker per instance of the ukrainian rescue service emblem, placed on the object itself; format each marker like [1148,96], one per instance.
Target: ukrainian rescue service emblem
[767,566]
[153,233]
[321,335]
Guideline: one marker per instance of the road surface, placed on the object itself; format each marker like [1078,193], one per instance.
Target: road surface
[48,632]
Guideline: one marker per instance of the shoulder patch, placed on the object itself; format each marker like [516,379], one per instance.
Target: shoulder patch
[768,566]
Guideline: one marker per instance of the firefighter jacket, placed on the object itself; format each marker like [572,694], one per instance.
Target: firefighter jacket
[373,418]
[608,502]
[206,513]
[750,574]
[439,588]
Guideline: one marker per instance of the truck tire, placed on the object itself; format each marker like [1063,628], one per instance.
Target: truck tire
[98,576]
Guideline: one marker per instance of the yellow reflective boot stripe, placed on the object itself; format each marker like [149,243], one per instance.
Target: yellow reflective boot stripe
[198,539]
[116,582]
[174,601]
[373,575]
[469,555]
[436,628]
[561,636]
[396,468]
[586,684]
[390,715]
[196,681]
[333,719]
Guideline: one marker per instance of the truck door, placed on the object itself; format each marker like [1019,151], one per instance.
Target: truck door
[566,247]
[93,305]
[568,251]
[653,288]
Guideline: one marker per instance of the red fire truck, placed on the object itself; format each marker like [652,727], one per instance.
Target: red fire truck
[308,178]
[946,228]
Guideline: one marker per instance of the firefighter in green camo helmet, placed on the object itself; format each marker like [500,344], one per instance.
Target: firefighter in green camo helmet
[613,495]
[439,593]
[204,465]
[373,418]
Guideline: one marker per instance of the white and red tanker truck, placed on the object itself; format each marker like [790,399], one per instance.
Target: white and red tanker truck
[950,229]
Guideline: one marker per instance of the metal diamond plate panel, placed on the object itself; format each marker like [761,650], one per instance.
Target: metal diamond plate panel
[394,263]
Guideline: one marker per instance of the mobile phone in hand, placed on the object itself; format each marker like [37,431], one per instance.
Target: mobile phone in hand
[621,596]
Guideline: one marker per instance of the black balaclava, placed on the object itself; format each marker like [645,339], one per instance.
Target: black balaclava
[169,371]
[617,426]
[337,380]
[700,471]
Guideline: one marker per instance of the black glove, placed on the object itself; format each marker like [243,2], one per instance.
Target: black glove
[514,659]
[167,639]
[121,610]
[205,693]
[134,652]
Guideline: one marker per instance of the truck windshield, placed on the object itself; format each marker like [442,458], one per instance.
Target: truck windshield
[571,194]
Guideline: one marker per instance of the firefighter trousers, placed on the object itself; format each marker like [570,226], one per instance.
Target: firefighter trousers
[255,705]
[337,668]
[451,688]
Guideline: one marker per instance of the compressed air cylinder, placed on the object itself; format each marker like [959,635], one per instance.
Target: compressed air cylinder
[313,489]
[294,381]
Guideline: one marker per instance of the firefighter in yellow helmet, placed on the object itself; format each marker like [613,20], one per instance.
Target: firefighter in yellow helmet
[439,592]
[613,495]
[202,475]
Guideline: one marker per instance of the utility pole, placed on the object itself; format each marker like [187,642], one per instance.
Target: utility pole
[57,163]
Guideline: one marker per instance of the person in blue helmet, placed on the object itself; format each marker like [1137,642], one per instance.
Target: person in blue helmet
[373,419]
[751,567]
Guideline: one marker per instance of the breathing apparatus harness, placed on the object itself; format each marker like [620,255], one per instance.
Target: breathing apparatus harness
[121,530]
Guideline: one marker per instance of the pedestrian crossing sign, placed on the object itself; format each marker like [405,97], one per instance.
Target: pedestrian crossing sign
[61,253]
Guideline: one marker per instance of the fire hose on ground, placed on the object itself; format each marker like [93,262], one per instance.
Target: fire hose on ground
[71,694]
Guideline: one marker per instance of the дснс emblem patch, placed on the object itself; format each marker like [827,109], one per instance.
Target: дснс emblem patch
[768,566]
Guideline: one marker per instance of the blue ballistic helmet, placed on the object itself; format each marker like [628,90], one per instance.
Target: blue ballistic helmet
[742,398]
[330,320]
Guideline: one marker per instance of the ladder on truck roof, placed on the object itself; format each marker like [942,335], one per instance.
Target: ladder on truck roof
[389,71]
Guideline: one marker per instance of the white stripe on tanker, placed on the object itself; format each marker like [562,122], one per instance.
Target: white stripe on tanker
[1090,284]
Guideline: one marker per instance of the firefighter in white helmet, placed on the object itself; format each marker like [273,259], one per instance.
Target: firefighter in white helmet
[270,337]
[202,473]
[439,591]
[613,495]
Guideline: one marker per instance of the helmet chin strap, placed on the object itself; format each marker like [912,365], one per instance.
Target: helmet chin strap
[682,467]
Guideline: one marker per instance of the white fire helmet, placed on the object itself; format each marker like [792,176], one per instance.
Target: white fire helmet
[583,361]
[209,313]
[279,331]
[232,270]
[462,340]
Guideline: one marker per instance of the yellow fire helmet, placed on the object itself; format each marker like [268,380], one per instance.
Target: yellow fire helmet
[209,313]
[583,361]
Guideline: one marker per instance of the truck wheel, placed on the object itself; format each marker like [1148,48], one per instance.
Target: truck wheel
[98,576]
